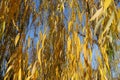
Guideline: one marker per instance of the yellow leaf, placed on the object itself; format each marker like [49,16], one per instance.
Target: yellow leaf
[97,25]
[68,44]
[110,38]
[85,50]
[101,74]
[71,3]
[2,17]
[79,16]
[29,77]
[43,39]
[11,58]
[97,14]
[78,45]
[3,26]
[118,27]
[118,14]
[15,25]
[34,68]
[17,38]
[109,23]
[69,26]
[107,3]
[20,72]
[5,77]
[29,39]
[9,69]
[39,56]
[62,7]
[77,42]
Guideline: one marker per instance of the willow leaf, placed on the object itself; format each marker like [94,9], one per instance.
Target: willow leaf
[97,14]
[97,25]
[17,38]
[109,23]
[118,27]
[107,3]
[3,27]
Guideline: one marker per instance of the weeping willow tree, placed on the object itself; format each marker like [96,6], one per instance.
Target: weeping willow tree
[57,39]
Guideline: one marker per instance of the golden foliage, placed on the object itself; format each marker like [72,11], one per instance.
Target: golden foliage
[65,43]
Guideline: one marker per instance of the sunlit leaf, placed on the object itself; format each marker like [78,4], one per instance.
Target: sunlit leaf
[15,25]
[70,25]
[97,14]
[118,27]
[43,39]
[9,68]
[39,55]
[29,39]
[69,44]
[110,38]
[107,3]
[97,25]
[20,74]
[3,26]
[80,16]
[12,58]
[34,68]
[17,38]
[109,23]
[68,35]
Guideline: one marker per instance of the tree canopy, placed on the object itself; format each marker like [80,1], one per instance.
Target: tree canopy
[59,39]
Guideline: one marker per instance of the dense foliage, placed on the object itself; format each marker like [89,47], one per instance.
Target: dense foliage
[59,39]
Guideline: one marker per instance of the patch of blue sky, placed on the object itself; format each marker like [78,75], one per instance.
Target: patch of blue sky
[83,20]
[96,1]
[37,3]
[28,27]
[95,54]
[66,15]
[118,5]
[117,42]
[82,58]
[119,65]
[66,12]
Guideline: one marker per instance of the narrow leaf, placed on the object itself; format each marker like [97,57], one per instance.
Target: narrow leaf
[69,26]
[9,69]
[39,56]
[109,23]
[34,68]
[97,25]
[118,27]
[17,38]
[107,3]
[68,44]
[97,14]
[3,27]
[29,39]
[20,76]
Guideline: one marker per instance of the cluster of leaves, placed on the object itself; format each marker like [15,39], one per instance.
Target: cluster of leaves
[66,32]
